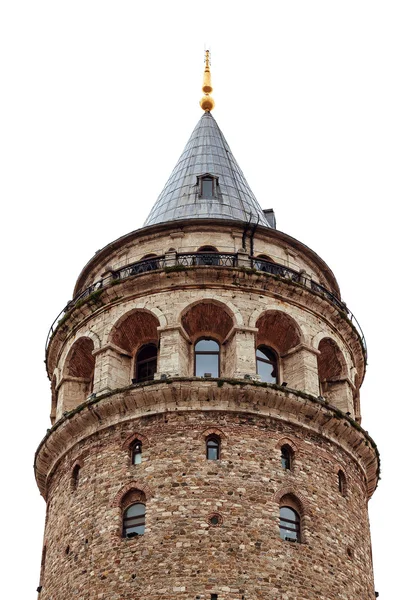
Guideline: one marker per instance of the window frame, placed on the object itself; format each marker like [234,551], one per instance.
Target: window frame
[207,256]
[138,363]
[286,449]
[296,522]
[215,185]
[134,452]
[75,475]
[275,363]
[213,438]
[342,483]
[140,517]
[206,353]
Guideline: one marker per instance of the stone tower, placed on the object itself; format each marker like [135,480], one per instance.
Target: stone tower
[206,440]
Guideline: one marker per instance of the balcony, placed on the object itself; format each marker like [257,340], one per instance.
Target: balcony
[174,261]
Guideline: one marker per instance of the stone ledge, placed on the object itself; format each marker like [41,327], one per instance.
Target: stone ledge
[198,394]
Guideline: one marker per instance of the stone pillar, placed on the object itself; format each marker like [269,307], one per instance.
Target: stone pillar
[242,259]
[300,370]
[112,369]
[240,353]
[170,259]
[339,392]
[174,354]
[72,391]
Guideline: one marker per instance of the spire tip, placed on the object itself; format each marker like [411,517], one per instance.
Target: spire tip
[207,103]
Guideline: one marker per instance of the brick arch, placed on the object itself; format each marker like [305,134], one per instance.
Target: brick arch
[154,310]
[228,306]
[302,502]
[133,437]
[79,462]
[92,336]
[133,329]
[330,360]
[79,360]
[278,330]
[128,487]
[287,441]
[213,431]
[207,318]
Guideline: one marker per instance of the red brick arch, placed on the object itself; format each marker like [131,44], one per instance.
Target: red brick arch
[133,437]
[287,441]
[133,485]
[303,503]
[213,431]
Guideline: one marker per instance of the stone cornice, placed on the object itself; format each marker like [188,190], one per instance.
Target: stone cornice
[195,394]
[179,228]
[302,347]
[113,347]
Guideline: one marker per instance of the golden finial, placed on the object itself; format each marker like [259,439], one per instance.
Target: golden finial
[207,103]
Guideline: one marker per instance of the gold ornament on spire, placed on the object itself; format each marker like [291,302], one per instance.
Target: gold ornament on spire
[207,103]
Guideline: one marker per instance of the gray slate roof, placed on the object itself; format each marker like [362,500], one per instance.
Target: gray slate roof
[207,151]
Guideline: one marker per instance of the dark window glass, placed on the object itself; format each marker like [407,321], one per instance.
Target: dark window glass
[206,358]
[75,476]
[266,364]
[212,448]
[146,363]
[134,520]
[342,483]
[136,453]
[209,256]
[207,187]
[289,524]
[286,457]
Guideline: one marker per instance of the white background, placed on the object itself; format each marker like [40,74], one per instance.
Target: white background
[316,99]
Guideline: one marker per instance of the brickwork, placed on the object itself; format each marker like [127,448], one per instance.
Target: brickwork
[180,555]
[211,526]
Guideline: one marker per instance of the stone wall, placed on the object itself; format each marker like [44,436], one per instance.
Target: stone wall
[173,297]
[180,555]
[83,466]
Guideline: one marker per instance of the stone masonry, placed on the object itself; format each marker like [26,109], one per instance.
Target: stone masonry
[83,465]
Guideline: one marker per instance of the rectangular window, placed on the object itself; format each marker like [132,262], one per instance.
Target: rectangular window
[207,187]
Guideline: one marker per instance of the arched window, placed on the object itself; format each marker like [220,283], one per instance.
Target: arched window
[213,447]
[146,363]
[134,520]
[208,256]
[341,477]
[267,364]
[75,476]
[286,457]
[262,263]
[289,524]
[136,450]
[207,352]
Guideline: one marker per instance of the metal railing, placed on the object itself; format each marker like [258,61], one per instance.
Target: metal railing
[142,266]
[275,269]
[208,259]
[197,259]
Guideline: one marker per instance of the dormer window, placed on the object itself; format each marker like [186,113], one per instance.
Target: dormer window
[207,186]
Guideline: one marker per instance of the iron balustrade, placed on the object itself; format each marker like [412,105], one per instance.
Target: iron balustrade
[316,287]
[275,269]
[197,259]
[142,266]
[207,259]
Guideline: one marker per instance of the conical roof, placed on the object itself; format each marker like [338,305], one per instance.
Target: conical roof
[207,153]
